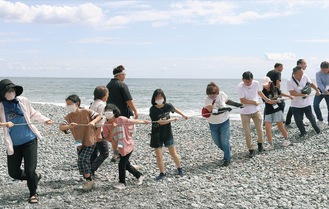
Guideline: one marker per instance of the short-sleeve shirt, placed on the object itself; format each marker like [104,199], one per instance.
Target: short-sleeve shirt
[84,134]
[220,102]
[274,75]
[272,108]
[119,95]
[250,93]
[99,106]
[162,113]
[299,102]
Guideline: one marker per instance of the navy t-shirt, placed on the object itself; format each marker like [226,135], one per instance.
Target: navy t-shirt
[162,113]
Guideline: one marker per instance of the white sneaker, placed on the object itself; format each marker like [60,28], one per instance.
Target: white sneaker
[140,180]
[286,143]
[120,186]
[270,146]
[88,185]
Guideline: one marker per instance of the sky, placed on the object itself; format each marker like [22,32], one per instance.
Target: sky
[161,38]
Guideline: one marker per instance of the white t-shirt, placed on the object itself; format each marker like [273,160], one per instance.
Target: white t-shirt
[99,106]
[299,101]
[220,102]
[250,93]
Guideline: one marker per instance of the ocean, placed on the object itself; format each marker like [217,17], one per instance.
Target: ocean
[185,94]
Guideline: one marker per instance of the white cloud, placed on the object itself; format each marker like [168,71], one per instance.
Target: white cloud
[325,40]
[280,56]
[108,15]
[87,13]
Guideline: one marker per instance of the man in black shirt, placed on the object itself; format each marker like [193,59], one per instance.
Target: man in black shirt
[119,93]
[275,76]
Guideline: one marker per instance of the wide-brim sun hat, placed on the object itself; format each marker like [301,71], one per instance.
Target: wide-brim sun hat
[6,84]
[266,80]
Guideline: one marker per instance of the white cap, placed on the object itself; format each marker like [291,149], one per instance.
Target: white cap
[266,80]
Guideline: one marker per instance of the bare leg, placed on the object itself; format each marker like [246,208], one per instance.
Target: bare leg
[268,129]
[159,156]
[173,154]
[282,129]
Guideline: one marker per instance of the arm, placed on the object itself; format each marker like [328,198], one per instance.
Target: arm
[133,108]
[182,114]
[296,94]
[278,84]
[65,127]
[164,122]
[96,120]
[286,95]
[315,88]
[267,100]
[7,124]
[142,121]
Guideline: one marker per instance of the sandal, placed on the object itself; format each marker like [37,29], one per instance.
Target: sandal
[34,199]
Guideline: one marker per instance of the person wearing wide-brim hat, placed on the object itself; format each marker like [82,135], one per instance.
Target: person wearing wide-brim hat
[20,140]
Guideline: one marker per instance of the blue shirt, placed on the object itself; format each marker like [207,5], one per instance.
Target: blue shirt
[19,134]
[322,80]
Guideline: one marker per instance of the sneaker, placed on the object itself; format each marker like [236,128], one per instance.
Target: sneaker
[226,163]
[260,148]
[88,185]
[251,153]
[286,143]
[160,177]
[140,180]
[180,172]
[121,186]
[270,146]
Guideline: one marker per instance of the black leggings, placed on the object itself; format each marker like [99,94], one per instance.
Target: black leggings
[124,165]
[28,151]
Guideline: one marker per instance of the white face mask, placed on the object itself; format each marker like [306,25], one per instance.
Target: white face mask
[10,95]
[71,108]
[159,101]
[108,115]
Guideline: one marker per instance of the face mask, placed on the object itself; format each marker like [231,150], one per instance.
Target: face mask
[71,108]
[108,115]
[159,101]
[10,95]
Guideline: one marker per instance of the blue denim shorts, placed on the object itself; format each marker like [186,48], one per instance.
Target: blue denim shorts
[274,117]
[167,143]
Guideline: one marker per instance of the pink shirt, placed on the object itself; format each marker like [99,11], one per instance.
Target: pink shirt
[122,134]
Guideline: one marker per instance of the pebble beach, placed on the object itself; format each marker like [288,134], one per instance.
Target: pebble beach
[296,176]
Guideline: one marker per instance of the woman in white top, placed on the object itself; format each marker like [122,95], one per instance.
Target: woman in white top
[219,122]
